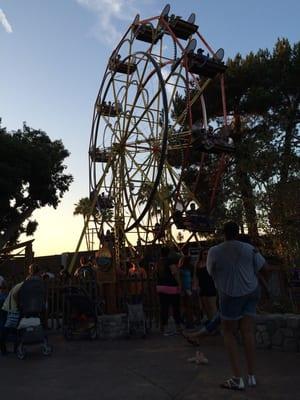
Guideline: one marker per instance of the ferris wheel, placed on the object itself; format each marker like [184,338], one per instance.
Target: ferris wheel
[149,122]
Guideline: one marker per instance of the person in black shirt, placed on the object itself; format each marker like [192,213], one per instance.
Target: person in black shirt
[168,289]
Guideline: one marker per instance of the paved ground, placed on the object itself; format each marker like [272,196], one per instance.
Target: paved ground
[155,368]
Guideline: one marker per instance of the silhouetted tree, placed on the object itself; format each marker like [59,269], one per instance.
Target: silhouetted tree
[31,176]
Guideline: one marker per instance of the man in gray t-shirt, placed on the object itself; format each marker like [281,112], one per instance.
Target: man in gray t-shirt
[234,266]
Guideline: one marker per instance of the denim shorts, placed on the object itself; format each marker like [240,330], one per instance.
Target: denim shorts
[235,308]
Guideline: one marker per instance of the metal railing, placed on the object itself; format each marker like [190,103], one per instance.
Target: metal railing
[125,290]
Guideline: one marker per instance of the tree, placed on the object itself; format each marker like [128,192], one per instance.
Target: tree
[285,220]
[31,176]
[83,207]
[263,106]
[246,107]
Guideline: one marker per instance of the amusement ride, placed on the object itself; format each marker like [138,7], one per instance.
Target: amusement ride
[149,121]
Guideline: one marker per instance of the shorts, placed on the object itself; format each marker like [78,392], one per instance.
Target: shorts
[235,308]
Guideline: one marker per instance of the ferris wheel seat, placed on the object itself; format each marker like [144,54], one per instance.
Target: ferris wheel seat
[109,109]
[115,64]
[178,220]
[98,155]
[126,68]
[103,202]
[182,29]
[199,223]
[213,144]
[146,33]
[205,66]
[180,225]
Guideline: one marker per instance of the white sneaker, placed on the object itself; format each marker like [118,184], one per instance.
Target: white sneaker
[251,380]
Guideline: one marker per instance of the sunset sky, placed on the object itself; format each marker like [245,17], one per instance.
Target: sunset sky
[53,54]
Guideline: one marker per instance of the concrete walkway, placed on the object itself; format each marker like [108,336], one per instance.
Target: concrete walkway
[155,368]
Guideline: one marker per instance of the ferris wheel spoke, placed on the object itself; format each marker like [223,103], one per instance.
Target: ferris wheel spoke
[138,91]
[132,179]
[175,88]
[154,96]
[158,83]
[144,175]
[144,101]
[141,116]
[129,79]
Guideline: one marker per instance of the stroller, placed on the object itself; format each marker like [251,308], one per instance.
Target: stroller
[32,305]
[136,319]
[80,314]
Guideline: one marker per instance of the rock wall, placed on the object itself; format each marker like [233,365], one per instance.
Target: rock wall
[278,332]
[113,326]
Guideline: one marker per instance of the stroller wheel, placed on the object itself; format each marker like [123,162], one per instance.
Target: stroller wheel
[47,349]
[21,352]
[93,334]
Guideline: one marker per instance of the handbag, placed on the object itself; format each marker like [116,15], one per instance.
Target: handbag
[12,319]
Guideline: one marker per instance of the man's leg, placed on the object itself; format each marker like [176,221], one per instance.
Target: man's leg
[247,331]
[229,329]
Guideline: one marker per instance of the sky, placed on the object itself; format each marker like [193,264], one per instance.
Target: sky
[53,54]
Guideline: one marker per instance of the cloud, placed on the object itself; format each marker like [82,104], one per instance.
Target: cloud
[4,22]
[109,14]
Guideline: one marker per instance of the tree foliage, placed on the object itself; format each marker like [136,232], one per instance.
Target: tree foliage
[261,184]
[32,175]
[84,208]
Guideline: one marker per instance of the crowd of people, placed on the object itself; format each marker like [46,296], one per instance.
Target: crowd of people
[218,291]
[230,271]
[185,288]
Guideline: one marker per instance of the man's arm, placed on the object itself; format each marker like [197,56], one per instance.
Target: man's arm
[265,271]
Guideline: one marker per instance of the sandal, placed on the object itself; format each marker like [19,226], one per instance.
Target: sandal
[201,359]
[233,384]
